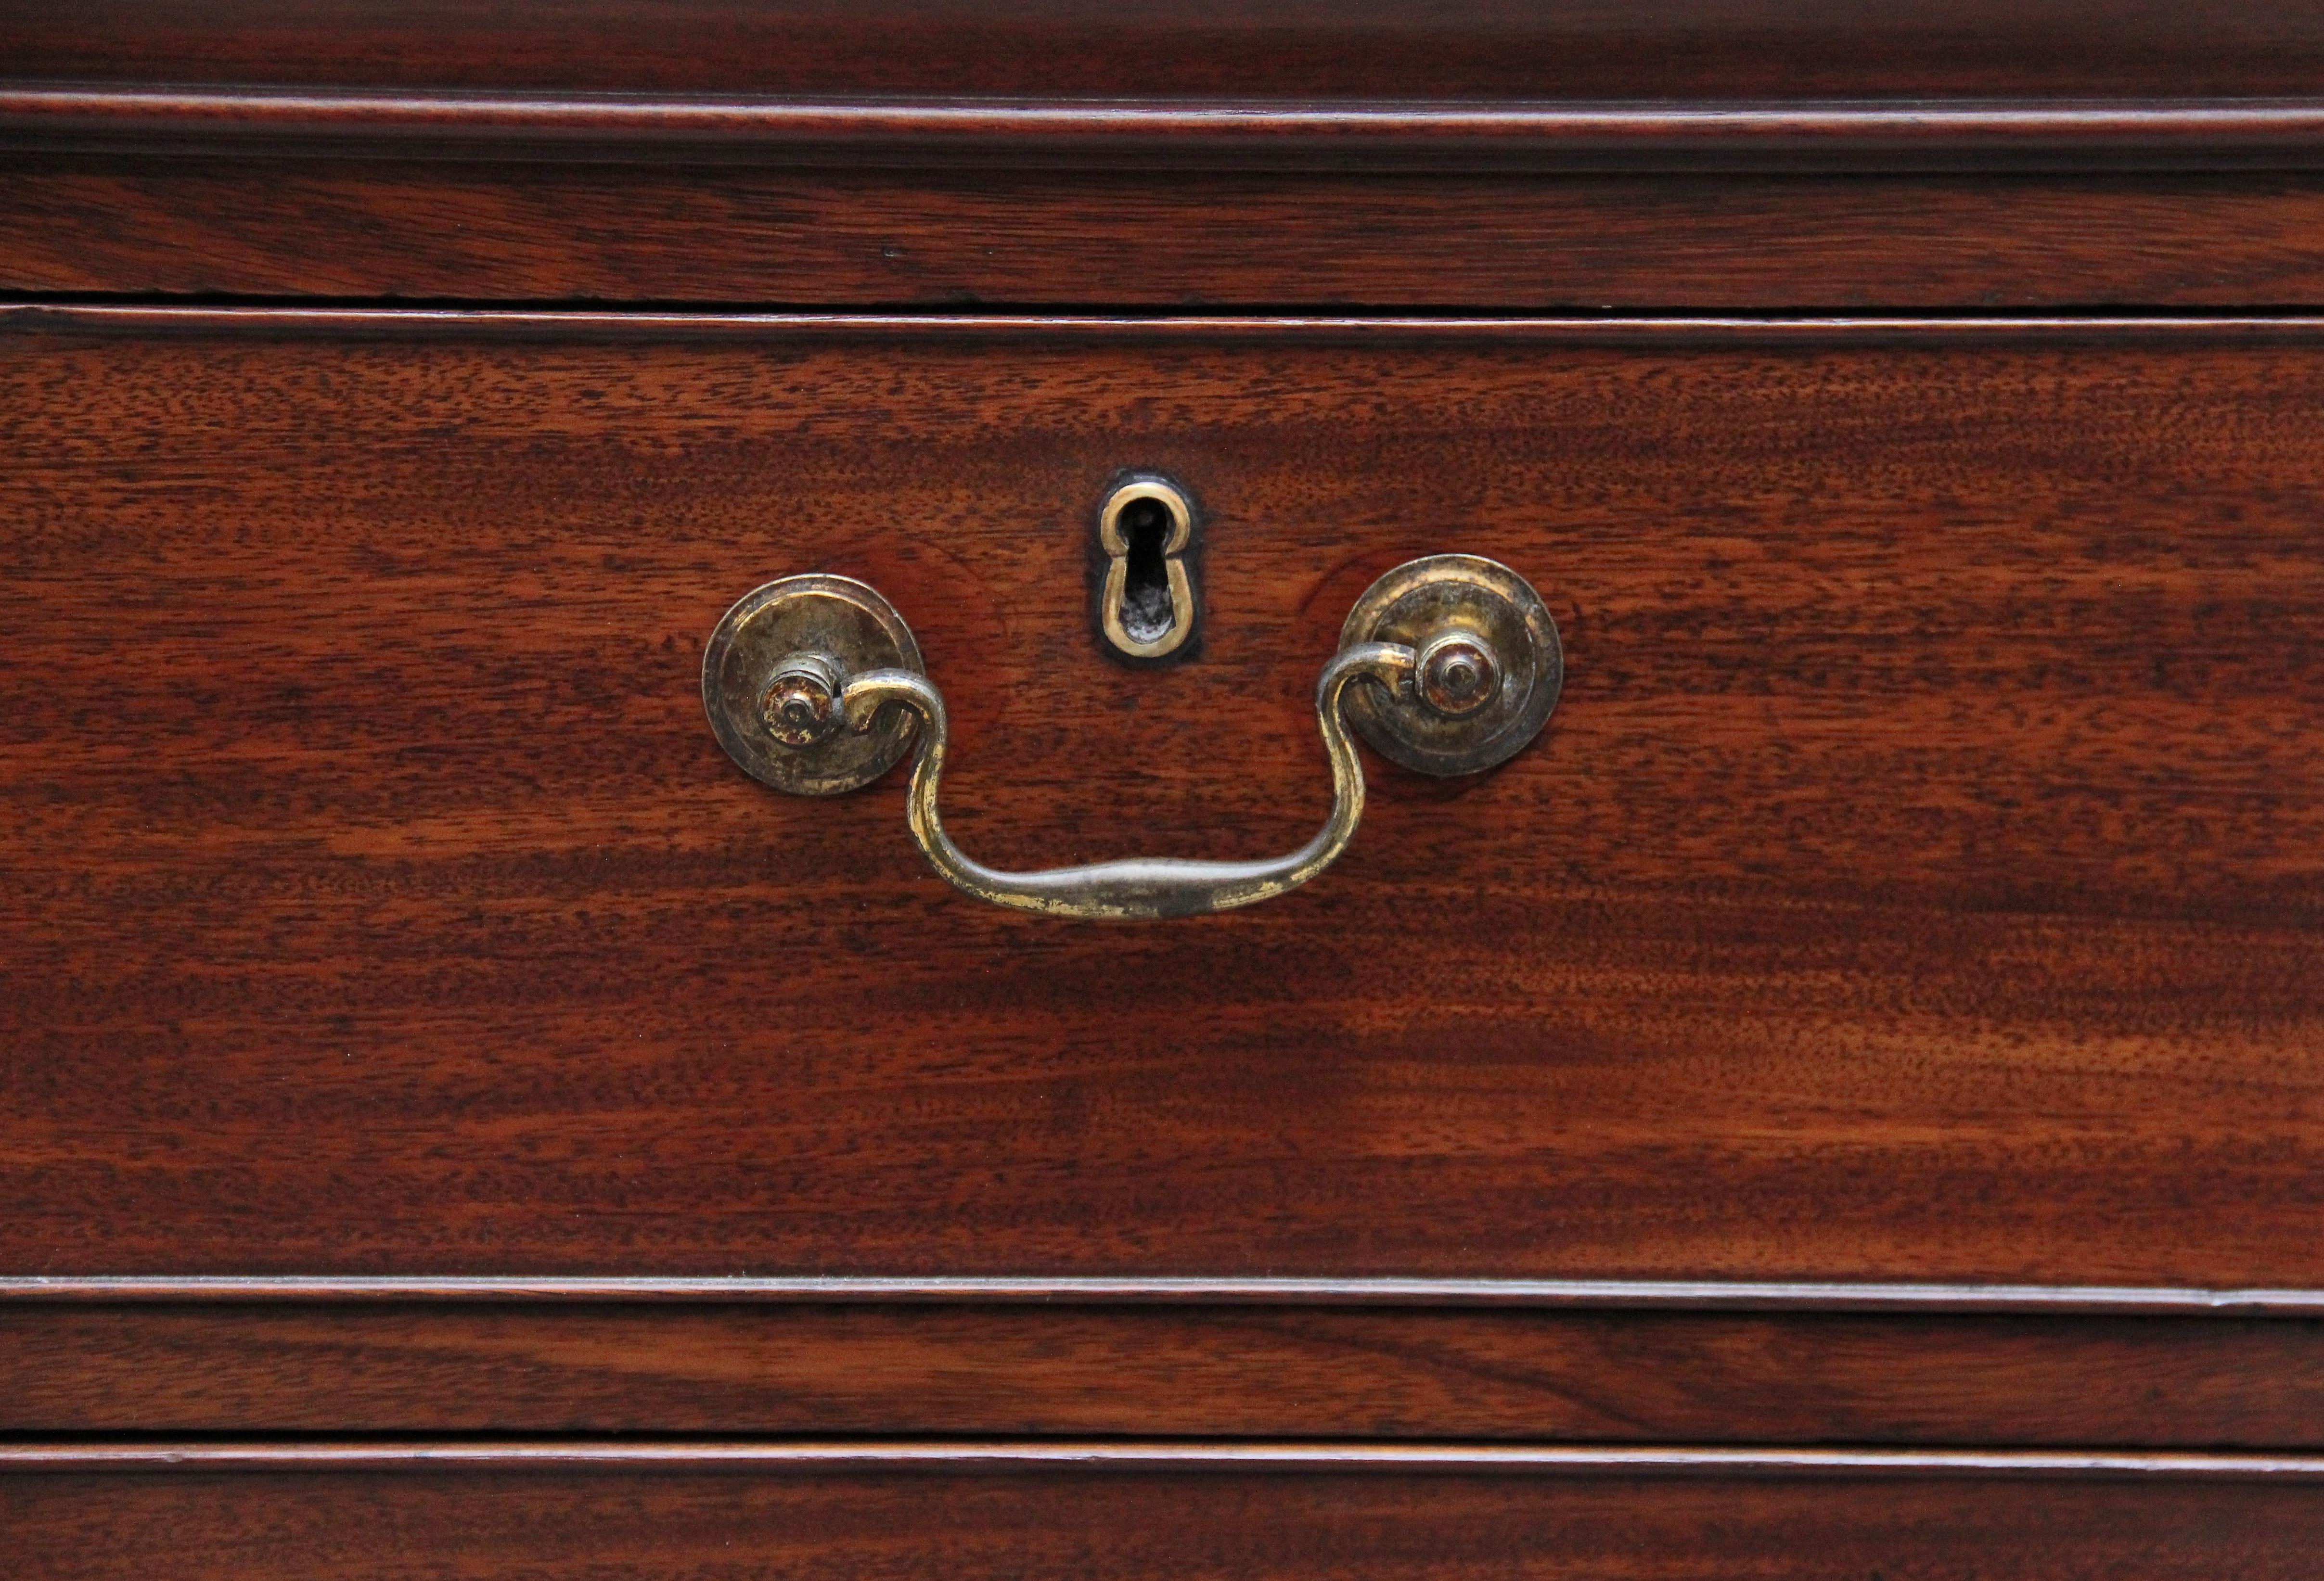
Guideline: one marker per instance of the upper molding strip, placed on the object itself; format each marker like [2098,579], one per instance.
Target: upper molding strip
[1698,1295]
[1843,135]
[349,323]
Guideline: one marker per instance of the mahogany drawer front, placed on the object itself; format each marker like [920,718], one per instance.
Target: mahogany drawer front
[1516,1374]
[609,1511]
[1919,880]
[276,223]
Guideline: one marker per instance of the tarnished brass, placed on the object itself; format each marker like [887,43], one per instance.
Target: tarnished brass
[770,680]
[1466,665]
[1143,626]
[1147,887]
[1457,675]
[798,707]
[1489,671]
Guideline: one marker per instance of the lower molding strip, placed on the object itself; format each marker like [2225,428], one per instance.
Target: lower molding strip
[800,1458]
[2127,1301]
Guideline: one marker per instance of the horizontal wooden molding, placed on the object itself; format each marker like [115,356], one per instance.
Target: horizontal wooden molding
[1871,136]
[811,1456]
[1682,1294]
[345,322]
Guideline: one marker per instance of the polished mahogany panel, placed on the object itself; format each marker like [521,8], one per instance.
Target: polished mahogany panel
[1920,879]
[1281,49]
[1344,1513]
[1609,1375]
[485,231]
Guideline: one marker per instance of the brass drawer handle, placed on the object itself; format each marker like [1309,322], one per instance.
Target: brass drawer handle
[1155,886]
[815,685]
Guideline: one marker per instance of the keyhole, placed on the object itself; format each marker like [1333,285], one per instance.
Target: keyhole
[1146,613]
[1146,604]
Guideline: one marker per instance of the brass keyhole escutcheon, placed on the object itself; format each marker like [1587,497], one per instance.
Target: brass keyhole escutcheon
[1146,604]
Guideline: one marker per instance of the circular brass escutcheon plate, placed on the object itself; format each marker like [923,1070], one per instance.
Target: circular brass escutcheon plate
[1423,601]
[842,620]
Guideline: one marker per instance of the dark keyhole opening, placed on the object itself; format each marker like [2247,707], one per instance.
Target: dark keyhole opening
[1146,592]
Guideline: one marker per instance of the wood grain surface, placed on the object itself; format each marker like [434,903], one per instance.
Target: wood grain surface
[1920,879]
[481,231]
[1573,1377]
[1163,49]
[656,1516]
[1146,134]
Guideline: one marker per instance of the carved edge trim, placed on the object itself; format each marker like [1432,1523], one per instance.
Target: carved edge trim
[25,314]
[807,1457]
[1844,134]
[1687,1294]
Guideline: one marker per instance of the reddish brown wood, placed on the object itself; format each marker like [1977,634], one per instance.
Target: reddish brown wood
[483,231]
[2047,133]
[1923,883]
[1920,879]
[654,1517]
[1609,1377]
[1352,48]
[1693,1295]
[1253,1461]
